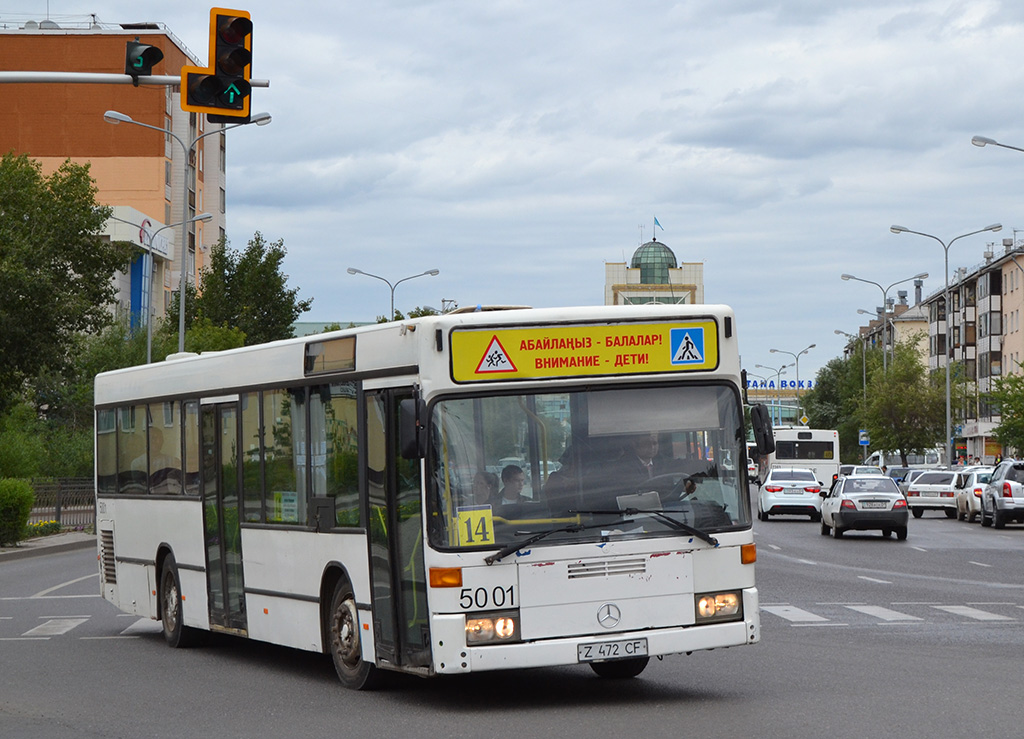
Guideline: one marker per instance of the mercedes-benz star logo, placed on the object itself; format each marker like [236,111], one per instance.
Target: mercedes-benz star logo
[608,615]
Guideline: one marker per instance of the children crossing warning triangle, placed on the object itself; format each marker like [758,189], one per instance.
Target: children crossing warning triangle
[495,359]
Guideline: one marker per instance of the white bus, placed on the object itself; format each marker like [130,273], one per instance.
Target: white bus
[813,449]
[342,493]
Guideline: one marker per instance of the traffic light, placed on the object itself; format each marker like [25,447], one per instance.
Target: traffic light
[139,59]
[222,89]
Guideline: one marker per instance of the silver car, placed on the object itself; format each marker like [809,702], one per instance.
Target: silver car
[864,503]
[1003,499]
[934,490]
[970,485]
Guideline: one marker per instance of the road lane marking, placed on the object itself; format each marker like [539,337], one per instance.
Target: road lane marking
[41,593]
[807,561]
[885,614]
[874,579]
[975,613]
[55,627]
[772,546]
[979,564]
[920,549]
[791,613]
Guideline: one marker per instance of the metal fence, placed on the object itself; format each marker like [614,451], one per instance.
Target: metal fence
[71,501]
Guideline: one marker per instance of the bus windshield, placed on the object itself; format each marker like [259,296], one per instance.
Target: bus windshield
[593,463]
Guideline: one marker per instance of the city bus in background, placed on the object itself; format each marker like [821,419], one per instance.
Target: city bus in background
[478,490]
[813,449]
[928,459]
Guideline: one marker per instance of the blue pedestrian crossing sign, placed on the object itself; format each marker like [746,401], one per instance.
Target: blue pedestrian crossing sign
[687,345]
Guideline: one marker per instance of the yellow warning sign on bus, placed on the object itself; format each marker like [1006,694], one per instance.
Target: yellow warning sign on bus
[490,354]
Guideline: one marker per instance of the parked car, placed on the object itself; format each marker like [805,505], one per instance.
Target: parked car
[789,490]
[970,485]
[864,503]
[866,469]
[1003,497]
[933,490]
[897,473]
[909,478]
[752,471]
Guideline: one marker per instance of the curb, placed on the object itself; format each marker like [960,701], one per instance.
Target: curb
[24,552]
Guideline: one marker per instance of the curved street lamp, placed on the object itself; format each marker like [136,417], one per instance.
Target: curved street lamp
[391,317]
[779,372]
[796,360]
[149,251]
[885,306]
[114,117]
[948,349]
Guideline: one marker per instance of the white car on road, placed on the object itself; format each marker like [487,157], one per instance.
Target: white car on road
[864,503]
[789,490]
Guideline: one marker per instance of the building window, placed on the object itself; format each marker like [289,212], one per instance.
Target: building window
[223,201]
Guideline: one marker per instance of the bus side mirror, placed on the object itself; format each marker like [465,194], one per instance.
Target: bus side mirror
[412,436]
[764,435]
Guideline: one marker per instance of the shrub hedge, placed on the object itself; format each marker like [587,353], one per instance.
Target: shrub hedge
[16,499]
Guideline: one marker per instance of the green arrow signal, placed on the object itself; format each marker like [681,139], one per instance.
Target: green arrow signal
[137,62]
[231,92]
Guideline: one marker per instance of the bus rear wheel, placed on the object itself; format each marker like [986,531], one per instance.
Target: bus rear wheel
[620,669]
[343,637]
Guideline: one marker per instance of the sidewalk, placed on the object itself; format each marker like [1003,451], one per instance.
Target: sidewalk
[52,544]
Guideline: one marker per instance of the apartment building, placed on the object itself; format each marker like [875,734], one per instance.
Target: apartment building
[147,176]
[985,337]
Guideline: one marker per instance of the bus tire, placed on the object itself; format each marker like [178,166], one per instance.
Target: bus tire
[176,634]
[344,642]
[620,669]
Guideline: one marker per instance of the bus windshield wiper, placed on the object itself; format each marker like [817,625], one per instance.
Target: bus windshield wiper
[662,515]
[571,529]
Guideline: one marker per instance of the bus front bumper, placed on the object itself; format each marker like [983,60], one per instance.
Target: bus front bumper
[449,631]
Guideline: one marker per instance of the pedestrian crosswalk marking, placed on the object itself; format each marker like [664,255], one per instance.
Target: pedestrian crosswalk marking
[975,613]
[886,614]
[791,613]
[55,627]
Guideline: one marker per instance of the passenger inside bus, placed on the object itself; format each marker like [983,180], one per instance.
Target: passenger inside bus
[513,481]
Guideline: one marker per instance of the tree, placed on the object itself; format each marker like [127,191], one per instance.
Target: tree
[56,273]
[906,408]
[416,312]
[1007,398]
[837,400]
[244,290]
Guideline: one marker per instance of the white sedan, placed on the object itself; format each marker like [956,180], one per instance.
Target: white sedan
[789,490]
[864,503]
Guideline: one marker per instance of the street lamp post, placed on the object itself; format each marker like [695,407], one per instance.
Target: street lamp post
[948,349]
[391,317]
[779,372]
[885,306]
[796,361]
[114,117]
[149,251]
[863,369]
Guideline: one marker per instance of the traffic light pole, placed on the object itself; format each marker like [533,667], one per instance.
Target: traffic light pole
[89,78]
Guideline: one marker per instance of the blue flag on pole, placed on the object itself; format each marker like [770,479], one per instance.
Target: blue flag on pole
[658,224]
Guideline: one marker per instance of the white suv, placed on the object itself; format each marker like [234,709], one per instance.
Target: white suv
[1003,499]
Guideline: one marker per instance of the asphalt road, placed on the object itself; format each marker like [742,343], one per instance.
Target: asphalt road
[861,637]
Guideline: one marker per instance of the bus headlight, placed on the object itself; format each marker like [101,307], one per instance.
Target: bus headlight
[711,607]
[492,628]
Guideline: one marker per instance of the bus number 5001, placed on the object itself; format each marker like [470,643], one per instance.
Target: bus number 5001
[497,597]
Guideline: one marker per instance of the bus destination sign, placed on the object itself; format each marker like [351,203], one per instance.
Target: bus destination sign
[488,355]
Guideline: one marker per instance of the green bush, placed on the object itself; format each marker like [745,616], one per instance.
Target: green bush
[16,499]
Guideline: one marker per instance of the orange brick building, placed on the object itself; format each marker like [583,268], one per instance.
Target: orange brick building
[138,170]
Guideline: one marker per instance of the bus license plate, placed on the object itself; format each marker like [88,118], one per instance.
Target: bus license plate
[611,650]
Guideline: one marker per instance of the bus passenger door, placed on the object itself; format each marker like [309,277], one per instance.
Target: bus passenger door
[400,618]
[221,516]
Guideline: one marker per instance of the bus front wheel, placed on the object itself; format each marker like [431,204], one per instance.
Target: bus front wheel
[176,634]
[343,633]
[620,669]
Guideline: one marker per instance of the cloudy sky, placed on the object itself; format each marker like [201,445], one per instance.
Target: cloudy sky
[517,146]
